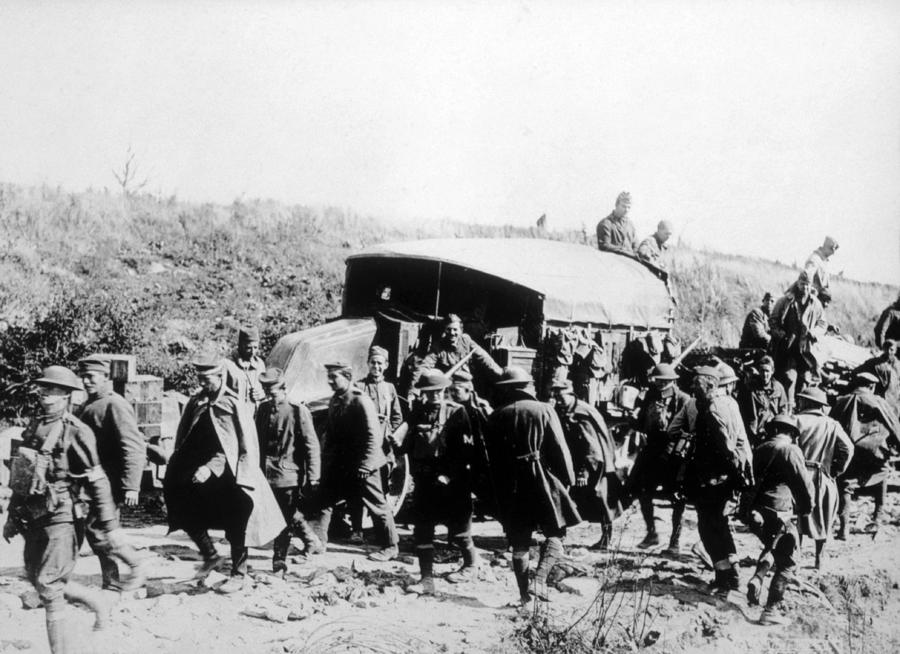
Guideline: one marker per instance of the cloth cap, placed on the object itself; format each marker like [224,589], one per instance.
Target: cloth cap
[865,378]
[451,319]
[272,377]
[767,296]
[664,226]
[663,371]
[514,376]
[94,363]
[248,335]
[766,362]
[461,378]
[785,421]
[61,377]
[378,351]
[706,371]
[209,367]
[432,380]
[814,394]
[561,384]
[726,374]
[624,196]
[341,367]
[830,242]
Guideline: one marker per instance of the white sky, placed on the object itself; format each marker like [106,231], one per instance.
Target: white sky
[758,127]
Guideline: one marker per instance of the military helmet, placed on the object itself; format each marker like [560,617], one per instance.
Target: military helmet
[61,377]
[514,376]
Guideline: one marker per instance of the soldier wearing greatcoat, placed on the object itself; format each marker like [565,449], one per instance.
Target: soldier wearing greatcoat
[55,471]
[534,472]
[123,454]
[291,460]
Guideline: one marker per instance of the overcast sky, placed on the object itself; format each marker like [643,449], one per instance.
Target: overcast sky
[757,127]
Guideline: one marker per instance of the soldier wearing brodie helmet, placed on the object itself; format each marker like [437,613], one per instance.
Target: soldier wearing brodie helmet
[54,465]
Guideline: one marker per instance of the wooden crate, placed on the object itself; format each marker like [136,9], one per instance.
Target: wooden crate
[148,413]
[142,388]
[122,367]
[522,357]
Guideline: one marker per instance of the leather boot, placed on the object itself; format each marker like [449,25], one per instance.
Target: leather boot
[469,567]
[551,552]
[520,570]
[138,575]
[109,571]
[426,569]
[211,558]
[754,586]
[93,600]
[57,632]
[305,532]
[675,540]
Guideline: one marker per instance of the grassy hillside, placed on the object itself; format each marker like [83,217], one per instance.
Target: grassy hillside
[169,280]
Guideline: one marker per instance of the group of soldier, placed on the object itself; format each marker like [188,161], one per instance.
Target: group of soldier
[248,460]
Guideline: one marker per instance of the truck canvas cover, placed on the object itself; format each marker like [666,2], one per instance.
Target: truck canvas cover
[579,284]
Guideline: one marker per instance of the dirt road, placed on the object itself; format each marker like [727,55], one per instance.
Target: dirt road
[342,602]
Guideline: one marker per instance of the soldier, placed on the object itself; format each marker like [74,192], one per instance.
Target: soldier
[816,271]
[456,350]
[122,452]
[54,464]
[290,459]
[387,404]
[874,429]
[245,367]
[886,368]
[441,447]
[783,489]
[534,471]
[888,324]
[828,451]
[651,248]
[652,466]
[214,479]
[615,233]
[463,393]
[756,333]
[597,488]
[761,399]
[798,320]
[716,470]
[352,458]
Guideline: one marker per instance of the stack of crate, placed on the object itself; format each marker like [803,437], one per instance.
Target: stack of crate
[144,392]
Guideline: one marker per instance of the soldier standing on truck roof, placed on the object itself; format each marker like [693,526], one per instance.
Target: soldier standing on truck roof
[441,445]
[123,454]
[387,405]
[534,470]
[888,324]
[53,466]
[352,458]
[651,248]
[291,460]
[756,333]
[615,233]
[245,366]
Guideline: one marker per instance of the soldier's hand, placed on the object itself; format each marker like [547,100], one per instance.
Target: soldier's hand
[363,473]
[581,481]
[9,530]
[203,473]
[256,395]
[443,480]
[131,498]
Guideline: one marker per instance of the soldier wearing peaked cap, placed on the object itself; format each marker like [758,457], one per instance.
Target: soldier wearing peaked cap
[534,471]
[122,453]
[352,458]
[214,479]
[54,470]
[245,366]
[290,458]
[439,439]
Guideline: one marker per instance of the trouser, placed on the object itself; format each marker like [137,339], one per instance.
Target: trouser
[356,508]
[106,553]
[714,526]
[435,503]
[519,537]
[236,538]
[370,492]
[794,375]
[50,554]
[287,499]
[779,538]
[848,489]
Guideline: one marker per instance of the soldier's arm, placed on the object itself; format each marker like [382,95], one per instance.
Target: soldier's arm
[84,463]
[644,252]
[758,327]
[131,442]
[594,453]
[555,449]
[720,439]
[307,451]
[843,451]
[368,423]
[395,413]
[485,361]
[800,482]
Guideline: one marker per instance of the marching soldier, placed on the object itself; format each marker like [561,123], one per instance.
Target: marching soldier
[245,366]
[122,452]
[441,446]
[54,465]
[291,460]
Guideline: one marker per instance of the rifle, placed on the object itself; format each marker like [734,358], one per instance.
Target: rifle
[459,364]
[677,360]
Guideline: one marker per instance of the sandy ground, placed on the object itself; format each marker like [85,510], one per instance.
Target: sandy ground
[342,602]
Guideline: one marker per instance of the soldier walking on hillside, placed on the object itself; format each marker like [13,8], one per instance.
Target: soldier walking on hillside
[441,447]
[783,489]
[828,451]
[652,466]
[597,490]
[123,453]
[245,366]
[54,464]
[756,333]
[615,233]
[760,399]
[534,471]
[214,480]
[352,458]
[290,458]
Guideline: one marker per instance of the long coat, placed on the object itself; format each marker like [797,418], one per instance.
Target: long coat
[827,450]
[873,427]
[593,456]
[351,442]
[533,463]
[232,422]
[652,467]
[794,326]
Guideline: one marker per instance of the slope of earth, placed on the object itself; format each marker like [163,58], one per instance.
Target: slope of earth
[624,600]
